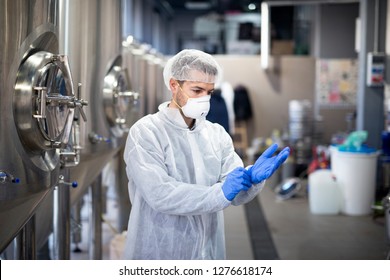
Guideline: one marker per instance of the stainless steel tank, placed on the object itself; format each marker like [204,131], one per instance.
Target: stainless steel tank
[156,90]
[154,87]
[93,39]
[37,100]
[93,42]
[90,36]
[132,54]
[145,66]
[134,58]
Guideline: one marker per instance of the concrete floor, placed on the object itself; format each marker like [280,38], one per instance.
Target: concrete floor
[300,235]
[296,233]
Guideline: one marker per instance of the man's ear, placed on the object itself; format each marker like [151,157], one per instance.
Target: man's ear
[173,84]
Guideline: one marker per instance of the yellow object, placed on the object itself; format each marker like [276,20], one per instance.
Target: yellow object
[268,142]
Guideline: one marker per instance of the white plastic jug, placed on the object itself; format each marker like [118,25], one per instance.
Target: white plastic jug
[324,193]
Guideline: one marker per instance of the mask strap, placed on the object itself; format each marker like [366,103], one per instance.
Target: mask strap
[176,103]
[183,91]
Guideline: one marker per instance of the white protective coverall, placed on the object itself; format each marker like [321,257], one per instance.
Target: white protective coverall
[175,178]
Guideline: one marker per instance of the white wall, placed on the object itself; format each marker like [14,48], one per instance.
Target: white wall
[291,77]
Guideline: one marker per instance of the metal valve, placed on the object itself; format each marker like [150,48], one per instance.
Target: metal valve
[58,99]
[96,138]
[80,103]
[127,94]
[71,157]
[5,176]
[61,181]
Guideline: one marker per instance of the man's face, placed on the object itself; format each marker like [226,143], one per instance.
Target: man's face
[188,89]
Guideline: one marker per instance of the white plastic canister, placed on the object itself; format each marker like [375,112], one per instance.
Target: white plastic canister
[356,174]
[324,193]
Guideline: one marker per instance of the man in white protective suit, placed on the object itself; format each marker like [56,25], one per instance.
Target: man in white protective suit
[183,170]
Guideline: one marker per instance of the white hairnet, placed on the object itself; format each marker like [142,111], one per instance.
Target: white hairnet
[192,65]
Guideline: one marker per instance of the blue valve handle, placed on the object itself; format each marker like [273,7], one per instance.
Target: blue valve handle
[107,140]
[4,176]
[74,184]
[15,180]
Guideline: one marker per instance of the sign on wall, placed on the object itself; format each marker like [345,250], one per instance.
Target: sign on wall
[336,82]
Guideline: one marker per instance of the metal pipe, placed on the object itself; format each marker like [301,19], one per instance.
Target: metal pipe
[24,243]
[76,225]
[95,219]
[61,220]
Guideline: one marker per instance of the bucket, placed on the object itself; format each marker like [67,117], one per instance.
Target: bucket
[299,110]
[324,193]
[300,119]
[355,172]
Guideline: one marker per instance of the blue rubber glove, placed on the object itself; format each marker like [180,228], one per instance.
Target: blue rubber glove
[236,181]
[267,164]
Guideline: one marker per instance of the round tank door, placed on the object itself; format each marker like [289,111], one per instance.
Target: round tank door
[118,98]
[44,103]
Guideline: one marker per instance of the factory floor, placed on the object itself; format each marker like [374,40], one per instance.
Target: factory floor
[270,228]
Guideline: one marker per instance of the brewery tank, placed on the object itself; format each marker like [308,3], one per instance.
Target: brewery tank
[157,90]
[38,102]
[154,90]
[89,36]
[93,41]
[94,37]
[145,66]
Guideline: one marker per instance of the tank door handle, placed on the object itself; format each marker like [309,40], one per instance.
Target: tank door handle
[41,92]
[71,157]
[79,104]
[127,94]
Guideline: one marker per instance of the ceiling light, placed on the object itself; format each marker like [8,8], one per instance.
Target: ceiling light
[265,35]
[252,6]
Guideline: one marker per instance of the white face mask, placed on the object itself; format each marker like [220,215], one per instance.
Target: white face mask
[196,108]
